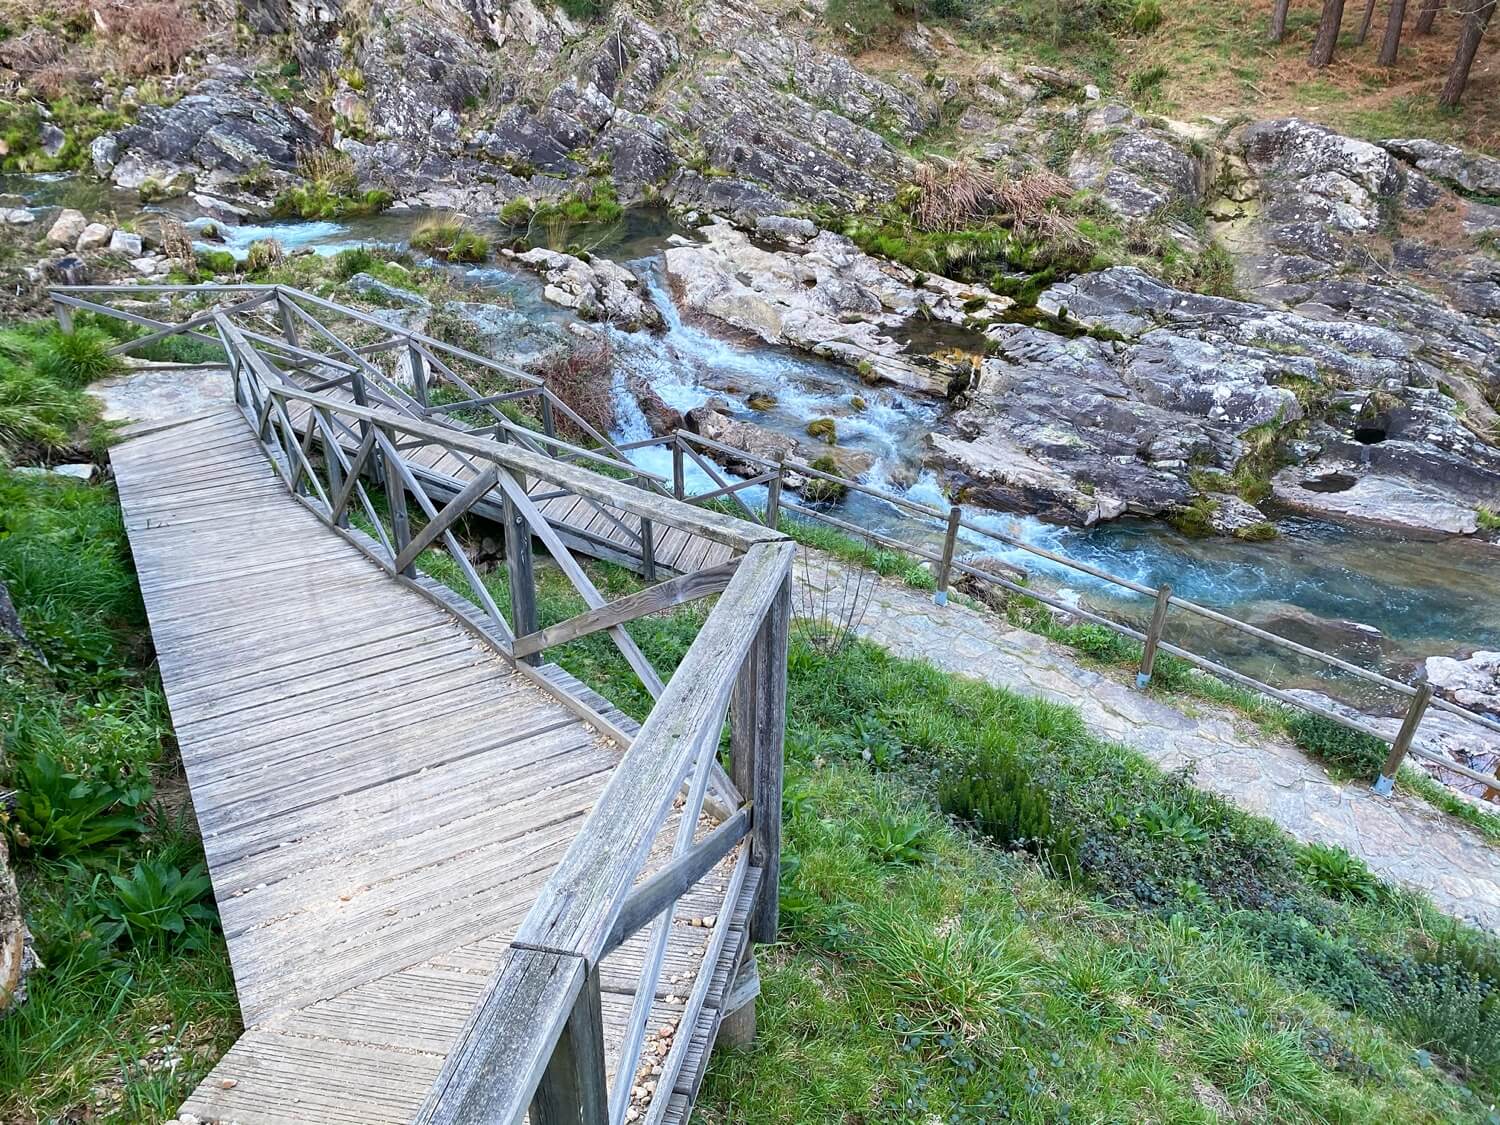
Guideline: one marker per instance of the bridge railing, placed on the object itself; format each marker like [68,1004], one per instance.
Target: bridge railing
[535,1042]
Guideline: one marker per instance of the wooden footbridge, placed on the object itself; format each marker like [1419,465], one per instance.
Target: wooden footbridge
[457,885]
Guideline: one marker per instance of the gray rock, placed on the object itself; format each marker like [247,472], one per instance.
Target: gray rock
[598,289]
[759,441]
[1473,683]
[16,216]
[53,139]
[785,228]
[82,472]
[67,227]
[1344,489]
[385,294]
[1470,171]
[103,153]
[1136,168]
[95,236]
[125,242]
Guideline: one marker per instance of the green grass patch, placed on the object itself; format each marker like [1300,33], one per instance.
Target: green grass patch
[109,866]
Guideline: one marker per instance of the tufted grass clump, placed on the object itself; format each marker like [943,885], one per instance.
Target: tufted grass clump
[1347,753]
[447,237]
[43,410]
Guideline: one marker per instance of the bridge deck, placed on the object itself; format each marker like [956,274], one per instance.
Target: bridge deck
[380,796]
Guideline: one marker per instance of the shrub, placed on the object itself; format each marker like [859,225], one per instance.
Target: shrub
[264,254]
[1346,752]
[159,905]
[582,377]
[996,793]
[165,31]
[347,263]
[820,491]
[1145,17]
[899,839]
[448,238]
[217,261]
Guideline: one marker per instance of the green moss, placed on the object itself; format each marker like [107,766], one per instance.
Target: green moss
[1488,519]
[217,261]
[820,491]
[319,200]
[824,429]
[1195,518]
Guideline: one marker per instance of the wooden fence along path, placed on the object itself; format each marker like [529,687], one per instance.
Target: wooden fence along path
[456,884]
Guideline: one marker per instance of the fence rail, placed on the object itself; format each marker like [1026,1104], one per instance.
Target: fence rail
[687,448]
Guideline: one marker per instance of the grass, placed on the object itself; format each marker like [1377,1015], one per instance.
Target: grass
[43,411]
[447,237]
[1191,957]
[123,1019]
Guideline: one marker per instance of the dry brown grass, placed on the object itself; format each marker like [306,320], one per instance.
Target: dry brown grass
[176,242]
[582,378]
[69,43]
[962,195]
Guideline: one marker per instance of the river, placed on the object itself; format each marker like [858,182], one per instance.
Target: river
[1370,595]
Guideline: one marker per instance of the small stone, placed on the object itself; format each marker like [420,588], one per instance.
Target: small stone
[93,237]
[229,1083]
[53,139]
[124,242]
[16,216]
[145,266]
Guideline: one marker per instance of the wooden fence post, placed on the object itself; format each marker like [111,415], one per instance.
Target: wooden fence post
[648,551]
[1385,780]
[950,544]
[573,1089]
[418,364]
[549,423]
[520,571]
[757,728]
[679,477]
[1153,636]
[64,316]
[773,495]
[395,491]
[284,315]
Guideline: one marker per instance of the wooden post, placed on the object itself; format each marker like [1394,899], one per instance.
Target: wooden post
[648,551]
[1153,636]
[395,491]
[950,544]
[757,728]
[549,422]
[418,363]
[335,469]
[737,1028]
[288,320]
[1385,781]
[64,316]
[519,568]
[679,478]
[773,495]
[573,1090]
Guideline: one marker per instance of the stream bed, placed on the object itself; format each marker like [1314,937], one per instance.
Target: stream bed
[1373,596]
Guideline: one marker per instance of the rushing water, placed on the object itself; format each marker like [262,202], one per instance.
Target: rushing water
[1372,596]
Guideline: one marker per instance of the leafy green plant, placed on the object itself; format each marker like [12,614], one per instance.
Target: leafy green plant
[1487,518]
[1339,875]
[897,838]
[158,904]
[61,811]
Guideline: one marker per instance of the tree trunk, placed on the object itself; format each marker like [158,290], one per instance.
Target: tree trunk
[1427,15]
[17,958]
[1468,46]
[1328,33]
[1390,46]
[1278,20]
[1364,23]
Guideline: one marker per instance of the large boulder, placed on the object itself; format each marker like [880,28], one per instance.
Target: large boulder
[1137,169]
[825,296]
[598,288]
[1473,683]
[67,227]
[223,131]
[1469,171]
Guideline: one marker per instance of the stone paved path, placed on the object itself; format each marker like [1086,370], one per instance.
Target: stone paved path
[1402,838]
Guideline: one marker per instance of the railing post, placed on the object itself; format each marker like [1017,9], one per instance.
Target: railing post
[418,363]
[64,315]
[395,491]
[520,571]
[773,495]
[573,1089]
[757,726]
[1153,636]
[950,544]
[1385,780]
[648,551]
[679,476]
[549,423]
[284,315]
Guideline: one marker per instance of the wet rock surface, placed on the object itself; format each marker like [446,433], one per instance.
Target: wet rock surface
[598,288]
[1473,683]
